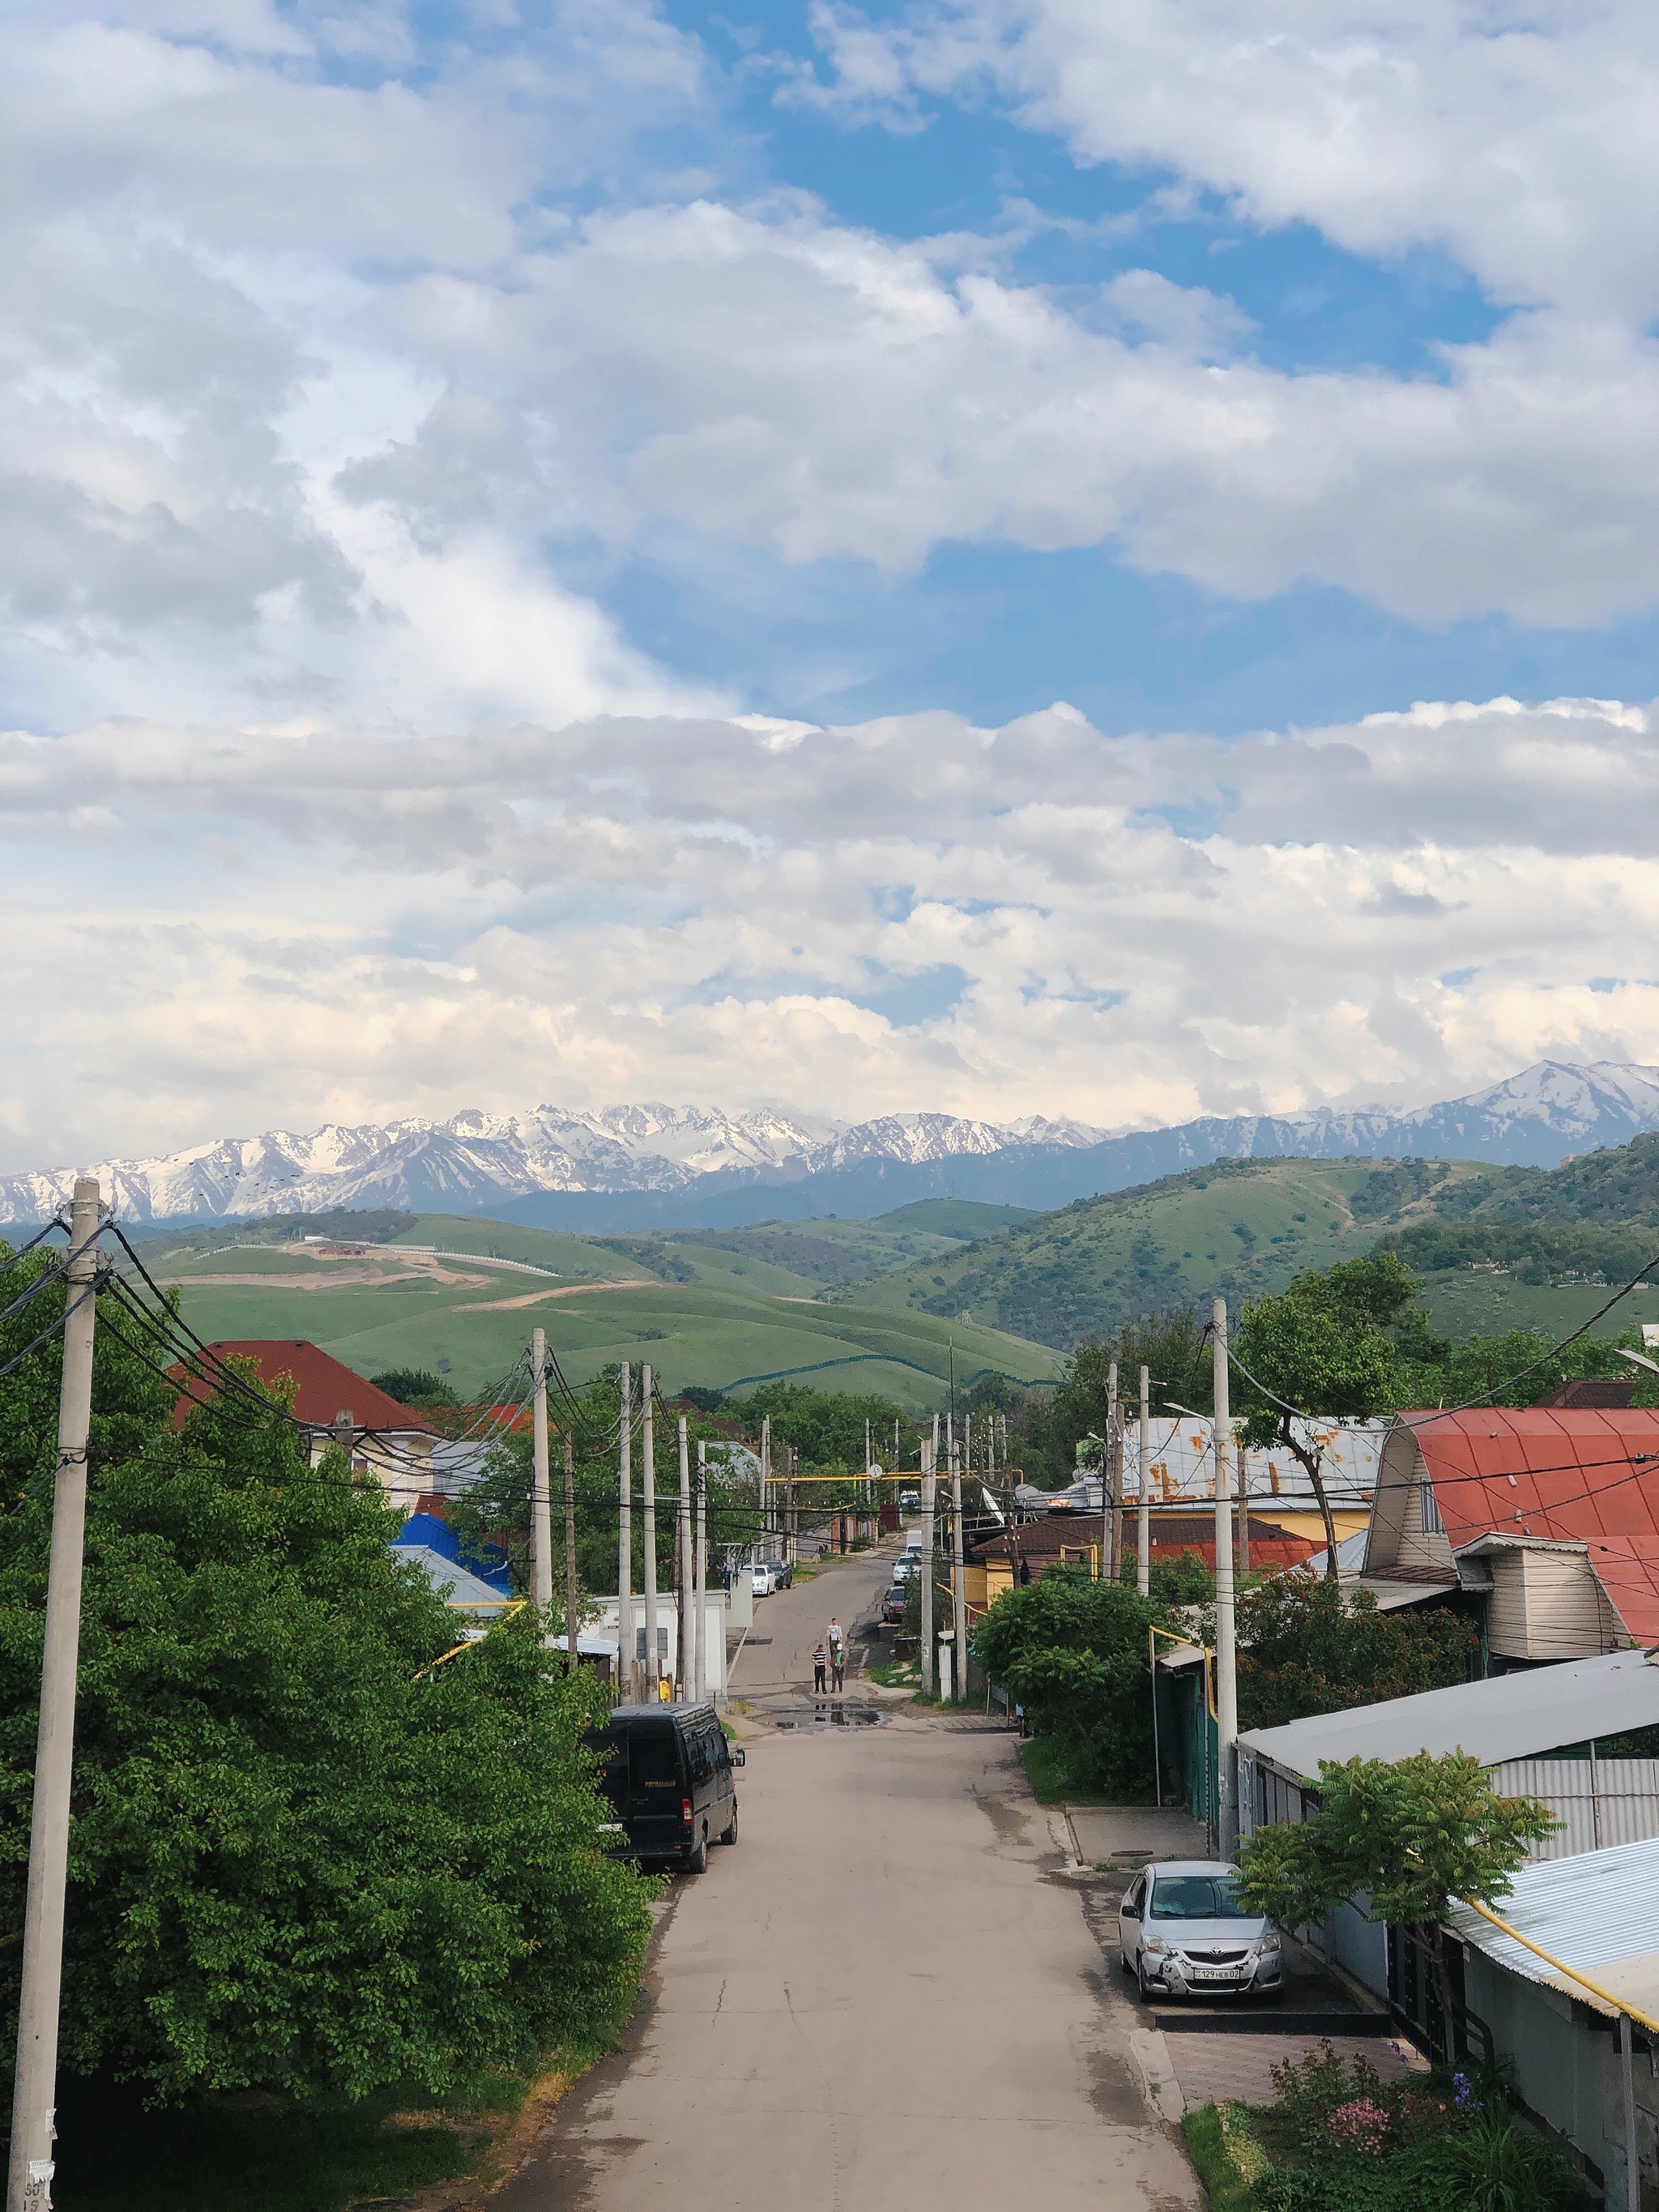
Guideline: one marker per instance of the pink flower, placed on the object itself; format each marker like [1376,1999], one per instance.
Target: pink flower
[1360,2125]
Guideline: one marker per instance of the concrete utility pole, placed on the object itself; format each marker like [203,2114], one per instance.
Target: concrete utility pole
[929,1455]
[1144,1518]
[541,1483]
[787,1547]
[625,1541]
[766,1474]
[1108,1559]
[958,1587]
[571,1596]
[648,1454]
[34,2092]
[682,1553]
[1226,1680]
[699,1580]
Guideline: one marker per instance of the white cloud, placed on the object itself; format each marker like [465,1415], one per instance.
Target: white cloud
[280,928]
[1520,143]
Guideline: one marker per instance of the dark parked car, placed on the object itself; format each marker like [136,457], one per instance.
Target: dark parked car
[893,1605]
[667,1772]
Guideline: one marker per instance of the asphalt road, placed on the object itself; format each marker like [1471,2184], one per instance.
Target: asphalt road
[887,1994]
[777,1660]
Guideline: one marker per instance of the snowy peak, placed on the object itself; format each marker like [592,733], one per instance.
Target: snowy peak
[654,1162]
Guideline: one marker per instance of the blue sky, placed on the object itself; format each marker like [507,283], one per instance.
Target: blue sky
[1003,556]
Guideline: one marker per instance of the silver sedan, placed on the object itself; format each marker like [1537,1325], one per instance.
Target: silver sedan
[1181,1931]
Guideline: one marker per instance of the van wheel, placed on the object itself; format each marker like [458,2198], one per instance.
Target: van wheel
[730,1835]
[698,1861]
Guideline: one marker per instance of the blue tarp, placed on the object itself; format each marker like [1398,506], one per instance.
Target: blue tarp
[425,1531]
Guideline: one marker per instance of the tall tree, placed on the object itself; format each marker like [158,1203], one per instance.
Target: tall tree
[1329,1348]
[1408,1836]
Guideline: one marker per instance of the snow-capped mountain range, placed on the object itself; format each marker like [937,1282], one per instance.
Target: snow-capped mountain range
[636,1166]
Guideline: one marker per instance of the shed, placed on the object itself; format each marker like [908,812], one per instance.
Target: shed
[1539,1735]
[1598,1914]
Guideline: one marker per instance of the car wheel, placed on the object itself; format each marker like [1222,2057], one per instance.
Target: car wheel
[698,1861]
[730,1835]
[1123,1960]
[1142,1984]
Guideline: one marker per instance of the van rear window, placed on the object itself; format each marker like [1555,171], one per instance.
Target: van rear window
[653,1755]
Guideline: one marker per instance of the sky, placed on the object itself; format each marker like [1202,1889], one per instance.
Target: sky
[995,556]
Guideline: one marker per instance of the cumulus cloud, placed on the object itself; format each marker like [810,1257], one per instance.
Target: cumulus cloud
[1519,144]
[285,926]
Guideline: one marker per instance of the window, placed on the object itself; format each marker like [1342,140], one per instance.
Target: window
[653,1756]
[1197,1897]
[1432,1524]
[662,1645]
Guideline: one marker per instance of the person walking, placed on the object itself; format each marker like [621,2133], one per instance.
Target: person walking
[818,1662]
[838,1666]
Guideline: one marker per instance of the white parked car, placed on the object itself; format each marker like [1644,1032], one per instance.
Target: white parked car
[1181,1931]
[765,1582]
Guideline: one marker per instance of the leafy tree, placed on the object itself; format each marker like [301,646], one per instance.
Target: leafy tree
[826,1427]
[495,1511]
[1407,1836]
[303,1855]
[1514,1369]
[1308,1646]
[1171,1344]
[1328,1346]
[1073,1652]
[415,1385]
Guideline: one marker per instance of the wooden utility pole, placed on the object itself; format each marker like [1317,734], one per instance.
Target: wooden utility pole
[1226,1681]
[649,1457]
[541,1500]
[625,1541]
[571,1596]
[683,1556]
[34,2087]
[1144,1516]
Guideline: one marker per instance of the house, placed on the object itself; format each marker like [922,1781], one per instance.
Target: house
[1030,1548]
[1583,1737]
[336,1404]
[1549,1516]
[1181,1468]
[1554,2011]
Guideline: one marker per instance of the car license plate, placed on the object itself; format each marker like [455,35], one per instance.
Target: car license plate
[1215,1973]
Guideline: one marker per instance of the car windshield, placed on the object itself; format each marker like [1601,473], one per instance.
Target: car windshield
[1198,1896]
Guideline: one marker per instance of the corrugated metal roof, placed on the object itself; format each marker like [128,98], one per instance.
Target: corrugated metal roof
[1577,1475]
[1183,1468]
[1510,1716]
[453,1583]
[1598,1912]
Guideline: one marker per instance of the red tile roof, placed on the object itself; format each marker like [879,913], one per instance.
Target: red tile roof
[1580,1476]
[1039,1542]
[325,1385]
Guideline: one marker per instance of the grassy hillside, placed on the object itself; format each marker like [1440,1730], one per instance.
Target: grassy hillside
[469,1320]
[1243,1227]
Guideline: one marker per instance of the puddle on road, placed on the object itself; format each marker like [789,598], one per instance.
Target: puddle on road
[836,1715]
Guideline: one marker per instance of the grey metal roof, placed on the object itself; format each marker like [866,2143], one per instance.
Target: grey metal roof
[453,1583]
[1598,1912]
[1510,1716]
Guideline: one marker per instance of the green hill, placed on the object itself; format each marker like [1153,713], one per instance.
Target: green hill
[1498,1248]
[388,1305]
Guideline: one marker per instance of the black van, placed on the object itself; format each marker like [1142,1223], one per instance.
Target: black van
[667,1771]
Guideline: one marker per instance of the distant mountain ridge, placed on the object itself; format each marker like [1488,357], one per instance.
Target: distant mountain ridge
[648,1166]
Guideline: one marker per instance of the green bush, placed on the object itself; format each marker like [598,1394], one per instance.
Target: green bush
[1073,1652]
[303,1859]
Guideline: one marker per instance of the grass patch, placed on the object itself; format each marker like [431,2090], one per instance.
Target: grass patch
[1206,2147]
[1058,1774]
[896,1674]
[265,2153]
